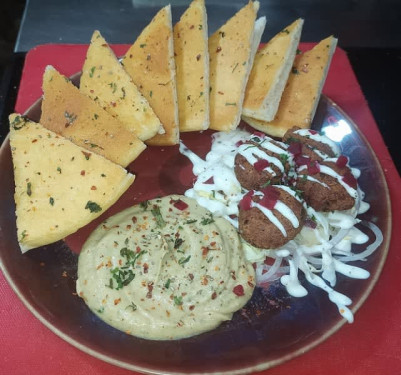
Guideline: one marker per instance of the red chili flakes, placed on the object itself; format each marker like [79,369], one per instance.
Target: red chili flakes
[350,180]
[117,301]
[91,91]
[181,205]
[246,201]
[82,173]
[198,57]
[190,276]
[313,167]
[150,290]
[341,161]
[270,197]
[218,49]
[134,219]
[191,307]
[113,104]
[191,27]
[34,140]
[295,148]
[145,268]
[93,187]
[138,249]
[205,251]
[214,295]
[261,164]
[209,181]
[238,290]
[128,227]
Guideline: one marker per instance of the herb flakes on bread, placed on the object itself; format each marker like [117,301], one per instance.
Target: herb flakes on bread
[105,80]
[59,186]
[66,111]
[270,71]
[150,63]
[192,67]
[302,92]
[231,50]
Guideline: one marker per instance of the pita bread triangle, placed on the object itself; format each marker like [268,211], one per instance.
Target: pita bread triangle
[66,111]
[150,63]
[269,73]
[59,186]
[231,51]
[104,79]
[192,65]
[302,92]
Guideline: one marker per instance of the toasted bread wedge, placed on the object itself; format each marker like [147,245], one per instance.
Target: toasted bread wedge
[192,65]
[150,63]
[302,92]
[105,80]
[66,111]
[59,186]
[231,50]
[269,74]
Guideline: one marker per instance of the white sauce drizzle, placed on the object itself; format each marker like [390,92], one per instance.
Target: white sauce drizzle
[322,250]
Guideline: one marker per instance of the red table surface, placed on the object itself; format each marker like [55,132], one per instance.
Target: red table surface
[371,345]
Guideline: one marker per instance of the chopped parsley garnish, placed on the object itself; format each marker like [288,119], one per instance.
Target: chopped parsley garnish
[70,118]
[183,260]
[29,189]
[23,234]
[122,277]
[285,31]
[294,70]
[298,51]
[267,183]
[190,221]
[93,207]
[233,104]
[132,306]
[123,91]
[178,242]
[18,123]
[58,169]
[167,284]
[113,86]
[207,220]
[142,45]
[178,300]
[158,216]
[200,27]
[51,201]
[144,205]
[92,71]
[284,158]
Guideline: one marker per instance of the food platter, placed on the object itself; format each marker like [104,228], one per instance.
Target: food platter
[271,329]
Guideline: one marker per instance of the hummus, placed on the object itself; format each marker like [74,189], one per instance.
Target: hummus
[164,269]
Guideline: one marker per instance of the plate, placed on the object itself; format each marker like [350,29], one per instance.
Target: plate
[271,329]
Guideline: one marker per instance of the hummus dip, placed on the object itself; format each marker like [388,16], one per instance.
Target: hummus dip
[164,269]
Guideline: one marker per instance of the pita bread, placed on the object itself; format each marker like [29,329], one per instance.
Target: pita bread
[105,80]
[270,72]
[150,63]
[59,186]
[231,51]
[302,92]
[192,65]
[66,111]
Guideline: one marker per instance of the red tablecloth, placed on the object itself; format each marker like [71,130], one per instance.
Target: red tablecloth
[371,345]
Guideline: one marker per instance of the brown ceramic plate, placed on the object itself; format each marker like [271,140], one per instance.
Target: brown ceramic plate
[271,329]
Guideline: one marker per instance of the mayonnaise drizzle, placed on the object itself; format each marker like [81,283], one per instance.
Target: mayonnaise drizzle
[322,250]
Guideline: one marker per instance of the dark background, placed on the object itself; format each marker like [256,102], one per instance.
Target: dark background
[369,30]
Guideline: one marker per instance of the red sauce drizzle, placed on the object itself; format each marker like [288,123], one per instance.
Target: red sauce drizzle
[246,201]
